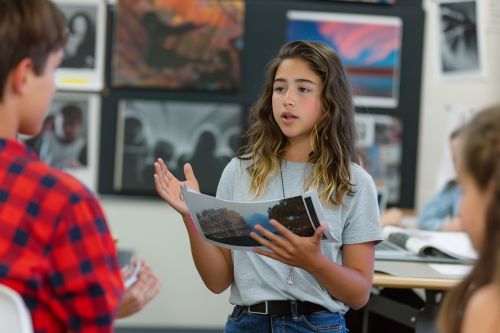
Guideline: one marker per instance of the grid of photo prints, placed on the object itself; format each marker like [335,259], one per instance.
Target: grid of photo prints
[194,49]
[69,138]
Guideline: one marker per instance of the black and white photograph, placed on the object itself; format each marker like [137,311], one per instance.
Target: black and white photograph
[203,134]
[82,65]
[379,149]
[69,136]
[460,45]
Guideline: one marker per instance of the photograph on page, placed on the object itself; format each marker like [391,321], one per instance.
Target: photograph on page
[229,223]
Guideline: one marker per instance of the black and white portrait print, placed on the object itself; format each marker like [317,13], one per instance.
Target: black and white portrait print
[80,49]
[459,42]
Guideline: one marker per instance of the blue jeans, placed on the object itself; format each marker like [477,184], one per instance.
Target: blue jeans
[240,321]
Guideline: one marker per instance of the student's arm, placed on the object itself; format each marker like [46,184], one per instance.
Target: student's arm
[482,313]
[214,264]
[349,283]
[436,212]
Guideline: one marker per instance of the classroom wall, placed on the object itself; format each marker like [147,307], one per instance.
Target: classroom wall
[459,95]
[156,232]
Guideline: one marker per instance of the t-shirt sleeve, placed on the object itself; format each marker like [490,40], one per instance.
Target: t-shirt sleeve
[225,189]
[85,274]
[361,211]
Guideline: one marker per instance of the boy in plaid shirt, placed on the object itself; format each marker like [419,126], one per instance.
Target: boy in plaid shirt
[55,246]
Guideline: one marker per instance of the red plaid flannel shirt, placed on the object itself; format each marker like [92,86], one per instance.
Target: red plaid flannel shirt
[55,246]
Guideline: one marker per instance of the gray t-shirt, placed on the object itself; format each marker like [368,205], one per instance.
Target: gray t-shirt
[258,278]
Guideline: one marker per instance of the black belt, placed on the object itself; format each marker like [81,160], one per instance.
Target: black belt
[284,308]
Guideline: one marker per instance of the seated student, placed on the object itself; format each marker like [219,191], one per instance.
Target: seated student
[474,305]
[56,250]
[441,212]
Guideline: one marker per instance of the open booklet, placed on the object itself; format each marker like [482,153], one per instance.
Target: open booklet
[229,223]
[438,246]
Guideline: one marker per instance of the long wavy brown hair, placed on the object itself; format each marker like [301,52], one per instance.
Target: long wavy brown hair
[332,138]
[481,160]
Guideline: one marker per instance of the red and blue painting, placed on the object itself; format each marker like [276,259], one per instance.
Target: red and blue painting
[369,47]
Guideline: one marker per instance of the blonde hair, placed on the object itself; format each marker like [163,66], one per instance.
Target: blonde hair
[332,139]
[481,160]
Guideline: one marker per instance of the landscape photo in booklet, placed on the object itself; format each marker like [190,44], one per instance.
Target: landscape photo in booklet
[229,223]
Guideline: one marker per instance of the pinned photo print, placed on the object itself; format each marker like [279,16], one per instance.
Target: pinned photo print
[83,61]
[79,51]
[368,45]
[179,45]
[379,149]
[206,135]
[460,44]
[68,139]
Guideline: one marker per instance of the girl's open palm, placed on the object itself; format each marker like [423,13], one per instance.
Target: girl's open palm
[170,188]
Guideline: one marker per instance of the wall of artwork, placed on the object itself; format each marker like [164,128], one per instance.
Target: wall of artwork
[230,76]
[175,79]
[452,95]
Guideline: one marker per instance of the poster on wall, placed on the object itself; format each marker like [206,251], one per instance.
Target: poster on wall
[203,134]
[82,67]
[69,137]
[179,45]
[461,52]
[369,47]
[379,147]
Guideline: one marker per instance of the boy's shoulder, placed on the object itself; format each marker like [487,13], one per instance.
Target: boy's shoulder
[63,181]
[39,174]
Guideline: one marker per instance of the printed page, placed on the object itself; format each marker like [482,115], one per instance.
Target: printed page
[422,242]
[229,223]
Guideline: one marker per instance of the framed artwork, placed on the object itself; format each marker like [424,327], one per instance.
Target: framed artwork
[368,45]
[69,136]
[203,134]
[461,52]
[82,67]
[379,147]
[179,45]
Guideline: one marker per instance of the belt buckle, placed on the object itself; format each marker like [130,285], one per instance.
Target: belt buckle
[266,311]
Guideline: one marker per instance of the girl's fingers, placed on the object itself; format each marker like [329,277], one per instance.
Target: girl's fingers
[271,236]
[282,230]
[275,245]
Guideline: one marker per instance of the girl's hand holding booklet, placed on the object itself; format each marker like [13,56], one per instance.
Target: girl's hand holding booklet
[229,223]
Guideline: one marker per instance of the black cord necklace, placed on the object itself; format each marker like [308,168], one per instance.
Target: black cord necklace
[289,280]
[282,183]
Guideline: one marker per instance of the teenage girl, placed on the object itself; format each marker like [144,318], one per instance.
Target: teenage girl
[302,138]
[474,305]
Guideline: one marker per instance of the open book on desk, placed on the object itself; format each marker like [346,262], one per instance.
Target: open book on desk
[422,245]
[229,223]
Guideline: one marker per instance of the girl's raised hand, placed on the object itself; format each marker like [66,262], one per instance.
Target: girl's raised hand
[288,247]
[170,188]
